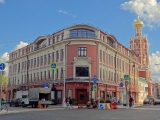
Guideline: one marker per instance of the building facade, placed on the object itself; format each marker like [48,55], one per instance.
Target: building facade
[143,89]
[81,52]
[139,44]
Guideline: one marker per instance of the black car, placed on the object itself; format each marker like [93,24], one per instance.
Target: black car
[16,102]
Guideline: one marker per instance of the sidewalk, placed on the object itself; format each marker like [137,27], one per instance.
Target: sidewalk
[125,107]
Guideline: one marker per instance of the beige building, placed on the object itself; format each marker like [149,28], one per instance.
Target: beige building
[143,89]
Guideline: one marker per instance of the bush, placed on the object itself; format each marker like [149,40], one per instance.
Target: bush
[102,100]
[74,101]
[108,101]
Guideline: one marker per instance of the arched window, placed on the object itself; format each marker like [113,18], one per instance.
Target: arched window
[82,33]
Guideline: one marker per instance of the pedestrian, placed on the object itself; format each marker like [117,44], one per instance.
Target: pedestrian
[70,103]
[130,102]
[67,102]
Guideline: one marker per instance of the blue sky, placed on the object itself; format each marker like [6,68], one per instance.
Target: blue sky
[25,20]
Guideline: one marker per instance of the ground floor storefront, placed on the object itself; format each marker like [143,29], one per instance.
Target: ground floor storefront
[78,91]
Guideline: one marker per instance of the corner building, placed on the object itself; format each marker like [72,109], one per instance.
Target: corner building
[81,51]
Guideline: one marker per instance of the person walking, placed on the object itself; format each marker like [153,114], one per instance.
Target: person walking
[130,102]
[70,103]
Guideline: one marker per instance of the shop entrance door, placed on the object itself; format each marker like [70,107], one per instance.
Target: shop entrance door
[82,96]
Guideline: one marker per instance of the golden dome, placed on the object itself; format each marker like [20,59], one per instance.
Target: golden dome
[138,23]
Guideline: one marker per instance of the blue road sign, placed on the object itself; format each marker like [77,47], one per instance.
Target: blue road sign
[95,79]
[53,65]
[121,84]
[101,106]
[126,77]
[2,66]
[46,84]
[126,83]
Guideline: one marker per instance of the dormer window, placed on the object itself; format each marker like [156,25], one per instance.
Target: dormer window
[82,33]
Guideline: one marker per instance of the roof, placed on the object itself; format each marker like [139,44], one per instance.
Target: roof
[141,79]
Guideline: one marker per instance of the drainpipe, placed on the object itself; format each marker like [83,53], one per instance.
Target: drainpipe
[97,70]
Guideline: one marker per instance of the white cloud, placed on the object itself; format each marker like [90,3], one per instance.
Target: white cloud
[2,1]
[4,58]
[64,12]
[148,10]
[20,45]
[155,69]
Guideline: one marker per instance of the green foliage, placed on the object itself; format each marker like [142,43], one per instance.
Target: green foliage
[3,80]
[74,101]
[102,100]
[108,101]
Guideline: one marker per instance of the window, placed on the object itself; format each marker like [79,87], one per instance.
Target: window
[57,74]
[25,79]
[48,74]
[52,56]
[62,53]
[31,77]
[22,79]
[45,59]
[34,61]
[62,36]
[61,72]
[49,58]
[45,75]
[38,61]
[82,51]
[31,63]
[18,67]
[41,60]
[28,63]
[57,54]
[41,75]
[82,71]
[100,73]
[38,75]
[58,38]
[53,74]
[53,40]
[34,76]
[82,33]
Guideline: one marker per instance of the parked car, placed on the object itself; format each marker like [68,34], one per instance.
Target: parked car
[16,102]
[156,102]
[148,101]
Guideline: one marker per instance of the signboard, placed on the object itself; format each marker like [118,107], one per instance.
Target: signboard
[95,79]
[94,88]
[126,83]
[121,84]
[46,85]
[126,77]
[53,65]
[2,66]
[102,106]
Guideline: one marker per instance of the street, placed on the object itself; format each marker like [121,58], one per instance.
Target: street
[138,113]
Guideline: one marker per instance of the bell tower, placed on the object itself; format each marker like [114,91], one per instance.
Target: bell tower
[139,44]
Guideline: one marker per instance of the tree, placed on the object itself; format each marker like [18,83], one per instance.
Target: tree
[3,80]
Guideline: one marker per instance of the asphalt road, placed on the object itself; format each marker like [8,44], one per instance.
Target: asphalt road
[140,113]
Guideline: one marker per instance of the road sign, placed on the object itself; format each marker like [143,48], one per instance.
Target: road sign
[53,65]
[101,106]
[2,66]
[46,85]
[121,84]
[126,83]
[95,79]
[126,77]
[94,88]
